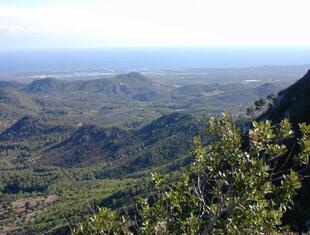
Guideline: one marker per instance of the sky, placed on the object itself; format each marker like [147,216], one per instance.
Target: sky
[153,23]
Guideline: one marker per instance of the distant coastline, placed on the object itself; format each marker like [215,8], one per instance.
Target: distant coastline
[18,61]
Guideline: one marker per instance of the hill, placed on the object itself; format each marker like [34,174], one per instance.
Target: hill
[88,145]
[11,97]
[30,126]
[46,85]
[163,140]
[11,84]
[14,105]
[132,85]
[292,103]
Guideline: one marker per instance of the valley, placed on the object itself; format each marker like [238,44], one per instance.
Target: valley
[70,143]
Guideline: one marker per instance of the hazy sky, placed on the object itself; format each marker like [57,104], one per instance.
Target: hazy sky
[94,23]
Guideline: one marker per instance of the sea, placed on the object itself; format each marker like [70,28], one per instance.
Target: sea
[38,60]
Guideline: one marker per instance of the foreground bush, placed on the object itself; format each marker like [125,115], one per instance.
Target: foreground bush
[228,189]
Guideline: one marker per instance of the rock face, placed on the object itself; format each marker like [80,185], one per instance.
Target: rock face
[292,103]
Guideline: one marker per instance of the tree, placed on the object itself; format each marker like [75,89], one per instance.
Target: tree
[250,111]
[228,189]
[271,97]
[259,104]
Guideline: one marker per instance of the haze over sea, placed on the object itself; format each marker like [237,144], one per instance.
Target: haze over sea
[17,61]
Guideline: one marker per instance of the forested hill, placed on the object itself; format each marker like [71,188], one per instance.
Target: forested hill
[11,84]
[14,99]
[162,141]
[132,85]
[30,126]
